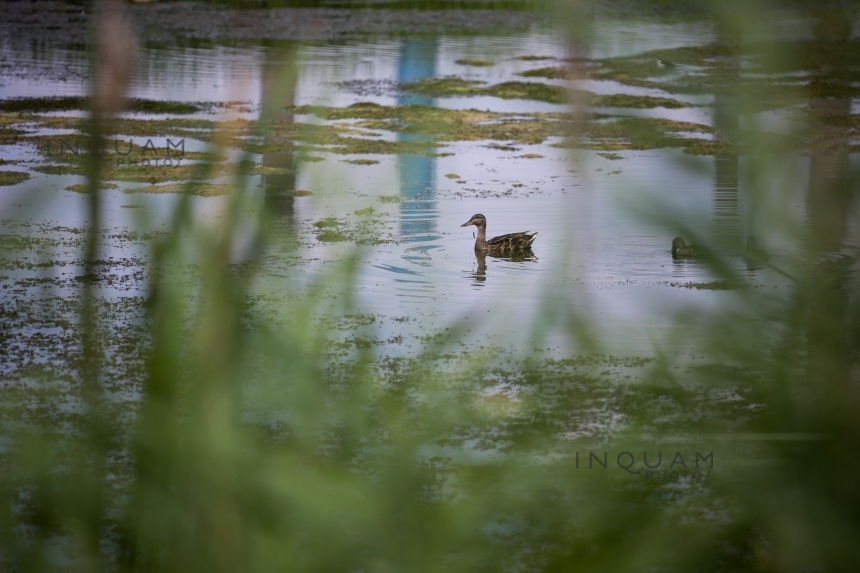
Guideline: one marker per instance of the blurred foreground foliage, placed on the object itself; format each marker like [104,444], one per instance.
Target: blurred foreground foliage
[248,452]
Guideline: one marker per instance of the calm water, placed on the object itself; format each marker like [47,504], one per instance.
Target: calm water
[605,226]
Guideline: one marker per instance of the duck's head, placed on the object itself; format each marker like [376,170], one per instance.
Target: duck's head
[478,220]
[678,243]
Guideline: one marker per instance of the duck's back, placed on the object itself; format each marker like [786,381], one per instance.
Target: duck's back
[692,252]
[511,241]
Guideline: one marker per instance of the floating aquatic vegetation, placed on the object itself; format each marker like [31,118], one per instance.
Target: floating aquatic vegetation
[83,188]
[43,104]
[535,58]
[190,188]
[560,73]
[326,223]
[330,236]
[550,93]
[9,178]
[475,62]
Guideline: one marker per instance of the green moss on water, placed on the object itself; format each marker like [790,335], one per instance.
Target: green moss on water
[475,62]
[199,189]
[694,146]
[637,133]
[146,173]
[555,73]
[458,87]
[389,198]
[10,136]
[529,90]
[630,133]
[337,139]
[72,103]
[59,170]
[450,125]
[713,285]
[820,70]
[444,87]
[326,223]
[634,102]
[365,230]
[84,188]
[535,58]
[9,178]
[7,119]
[167,107]
[332,237]
[536,91]
[177,127]
[361,161]
[611,156]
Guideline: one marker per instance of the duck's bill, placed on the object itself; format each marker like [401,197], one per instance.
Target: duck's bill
[467,223]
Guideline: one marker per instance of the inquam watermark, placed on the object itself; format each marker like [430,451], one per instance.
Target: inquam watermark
[169,153]
[653,466]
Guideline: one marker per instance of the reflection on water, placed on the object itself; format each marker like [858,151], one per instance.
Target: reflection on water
[279,162]
[416,172]
[726,213]
[478,275]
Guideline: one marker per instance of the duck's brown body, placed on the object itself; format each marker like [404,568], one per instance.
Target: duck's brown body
[503,244]
[681,250]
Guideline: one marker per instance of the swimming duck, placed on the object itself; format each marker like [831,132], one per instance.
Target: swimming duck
[501,245]
[681,250]
[752,254]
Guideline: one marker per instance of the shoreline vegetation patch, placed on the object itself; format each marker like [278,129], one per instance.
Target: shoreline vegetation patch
[133,105]
[10,178]
[745,70]
[454,86]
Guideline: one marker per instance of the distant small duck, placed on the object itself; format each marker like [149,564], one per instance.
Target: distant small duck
[681,250]
[752,254]
[661,63]
[501,245]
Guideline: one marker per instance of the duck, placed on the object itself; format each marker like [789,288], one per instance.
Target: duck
[501,245]
[681,250]
[752,254]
